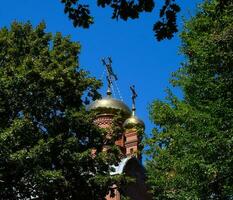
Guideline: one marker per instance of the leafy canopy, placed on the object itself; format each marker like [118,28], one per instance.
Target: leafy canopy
[164,28]
[126,9]
[46,135]
[191,149]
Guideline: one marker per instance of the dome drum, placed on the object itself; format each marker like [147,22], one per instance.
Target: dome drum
[104,120]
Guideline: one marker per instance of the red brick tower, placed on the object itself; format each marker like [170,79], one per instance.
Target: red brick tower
[133,128]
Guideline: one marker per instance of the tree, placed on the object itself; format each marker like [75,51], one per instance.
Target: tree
[191,149]
[124,9]
[164,28]
[47,137]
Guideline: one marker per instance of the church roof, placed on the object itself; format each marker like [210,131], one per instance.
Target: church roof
[119,169]
[108,103]
[133,121]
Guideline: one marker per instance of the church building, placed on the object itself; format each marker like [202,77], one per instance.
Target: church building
[129,141]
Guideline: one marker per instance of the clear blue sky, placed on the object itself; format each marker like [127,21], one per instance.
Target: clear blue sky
[137,57]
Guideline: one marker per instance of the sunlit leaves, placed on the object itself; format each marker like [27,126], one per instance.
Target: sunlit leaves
[191,147]
[46,134]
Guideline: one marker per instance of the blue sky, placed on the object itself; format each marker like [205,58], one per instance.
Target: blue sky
[137,57]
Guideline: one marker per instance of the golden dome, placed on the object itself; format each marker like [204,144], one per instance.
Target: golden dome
[109,104]
[133,121]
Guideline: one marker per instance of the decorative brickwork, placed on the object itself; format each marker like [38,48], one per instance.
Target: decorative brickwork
[128,141]
[131,142]
[104,121]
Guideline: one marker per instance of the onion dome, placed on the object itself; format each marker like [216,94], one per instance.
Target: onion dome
[133,122]
[109,105]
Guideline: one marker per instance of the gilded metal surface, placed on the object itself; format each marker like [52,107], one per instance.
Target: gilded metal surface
[133,120]
[110,103]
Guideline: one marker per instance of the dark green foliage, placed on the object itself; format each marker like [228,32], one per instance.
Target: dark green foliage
[46,135]
[166,27]
[192,147]
[125,9]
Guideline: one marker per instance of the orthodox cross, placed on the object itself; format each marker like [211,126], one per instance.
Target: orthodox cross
[134,96]
[107,62]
